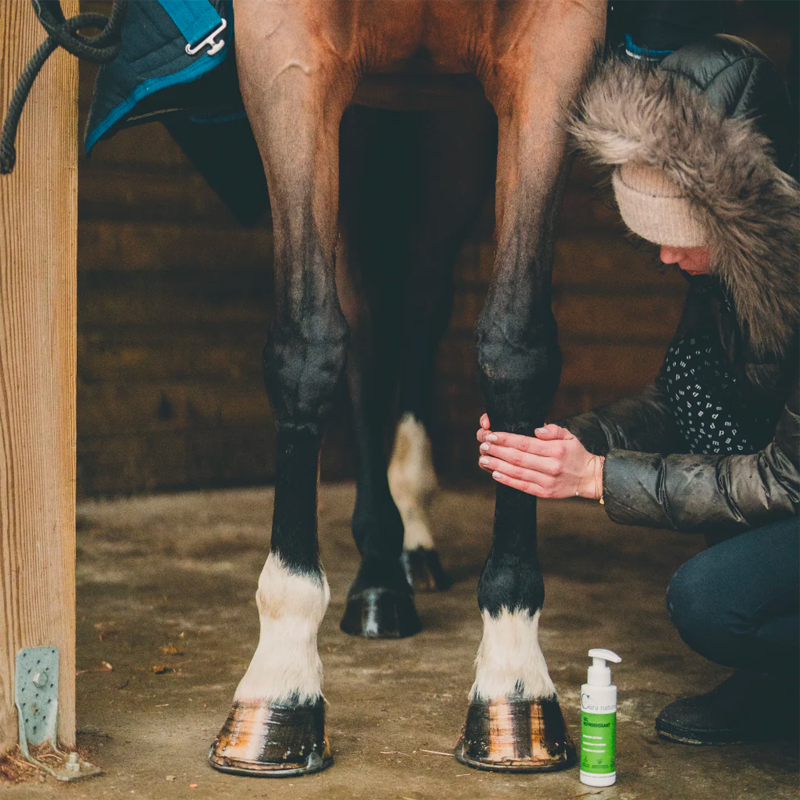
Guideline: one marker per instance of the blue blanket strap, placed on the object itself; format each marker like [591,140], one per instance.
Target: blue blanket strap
[194,19]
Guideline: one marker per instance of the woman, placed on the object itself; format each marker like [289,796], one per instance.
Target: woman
[700,149]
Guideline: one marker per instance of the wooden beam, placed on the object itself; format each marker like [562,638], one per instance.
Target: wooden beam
[38,243]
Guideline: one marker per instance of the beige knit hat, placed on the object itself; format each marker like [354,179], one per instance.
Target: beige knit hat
[655,208]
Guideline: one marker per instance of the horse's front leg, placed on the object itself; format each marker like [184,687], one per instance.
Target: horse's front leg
[295,94]
[514,721]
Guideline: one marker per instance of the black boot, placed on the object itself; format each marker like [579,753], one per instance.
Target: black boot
[747,707]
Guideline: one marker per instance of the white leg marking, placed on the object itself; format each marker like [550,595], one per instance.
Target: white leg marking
[286,663]
[510,660]
[412,481]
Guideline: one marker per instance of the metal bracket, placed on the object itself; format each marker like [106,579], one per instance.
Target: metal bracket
[214,45]
[36,698]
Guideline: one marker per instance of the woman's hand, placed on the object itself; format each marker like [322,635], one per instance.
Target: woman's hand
[551,464]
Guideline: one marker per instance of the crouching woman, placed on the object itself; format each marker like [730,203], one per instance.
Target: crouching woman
[700,149]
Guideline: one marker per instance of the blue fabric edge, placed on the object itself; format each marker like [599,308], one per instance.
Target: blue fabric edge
[643,52]
[186,75]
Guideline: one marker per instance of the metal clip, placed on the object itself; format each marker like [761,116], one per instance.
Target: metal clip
[214,44]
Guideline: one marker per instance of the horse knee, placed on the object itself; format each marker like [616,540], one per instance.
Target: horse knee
[519,366]
[303,367]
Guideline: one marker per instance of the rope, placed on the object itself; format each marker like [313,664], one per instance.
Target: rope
[62,32]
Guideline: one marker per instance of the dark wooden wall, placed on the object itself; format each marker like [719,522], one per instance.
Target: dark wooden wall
[174,302]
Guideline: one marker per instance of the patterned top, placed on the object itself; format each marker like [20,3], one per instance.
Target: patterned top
[705,396]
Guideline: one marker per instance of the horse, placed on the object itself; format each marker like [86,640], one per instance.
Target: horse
[301,65]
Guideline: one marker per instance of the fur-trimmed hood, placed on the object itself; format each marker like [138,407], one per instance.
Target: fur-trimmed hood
[631,112]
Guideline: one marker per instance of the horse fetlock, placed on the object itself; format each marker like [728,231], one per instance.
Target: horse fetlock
[286,667]
[416,528]
[510,663]
[377,526]
[510,582]
[424,570]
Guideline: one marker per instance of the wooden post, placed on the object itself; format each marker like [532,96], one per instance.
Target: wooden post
[38,252]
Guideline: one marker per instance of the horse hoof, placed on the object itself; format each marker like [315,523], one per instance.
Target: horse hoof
[272,741]
[424,570]
[515,735]
[381,614]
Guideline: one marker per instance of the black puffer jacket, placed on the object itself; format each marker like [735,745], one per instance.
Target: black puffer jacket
[694,117]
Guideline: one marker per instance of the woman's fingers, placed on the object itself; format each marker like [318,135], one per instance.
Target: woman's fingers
[484,430]
[520,473]
[547,466]
[551,464]
[515,446]
[546,433]
[487,464]
[524,486]
[551,431]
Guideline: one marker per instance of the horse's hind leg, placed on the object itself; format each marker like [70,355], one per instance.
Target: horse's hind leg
[294,98]
[457,153]
[514,720]
[371,280]
[411,184]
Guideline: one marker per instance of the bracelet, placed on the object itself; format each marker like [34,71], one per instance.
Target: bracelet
[598,479]
[580,480]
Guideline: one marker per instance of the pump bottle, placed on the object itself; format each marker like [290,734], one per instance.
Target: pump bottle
[599,722]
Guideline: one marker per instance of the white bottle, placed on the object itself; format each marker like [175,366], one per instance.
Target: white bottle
[599,722]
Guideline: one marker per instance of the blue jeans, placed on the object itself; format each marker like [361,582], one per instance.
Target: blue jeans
[737,603]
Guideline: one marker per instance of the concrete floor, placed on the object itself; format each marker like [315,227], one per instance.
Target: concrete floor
[180,571]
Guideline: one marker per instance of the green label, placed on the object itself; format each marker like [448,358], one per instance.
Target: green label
[598,736]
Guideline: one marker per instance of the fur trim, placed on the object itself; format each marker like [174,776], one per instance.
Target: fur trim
[630,112]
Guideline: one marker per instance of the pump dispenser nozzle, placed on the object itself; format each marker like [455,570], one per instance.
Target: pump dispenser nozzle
[599,672]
